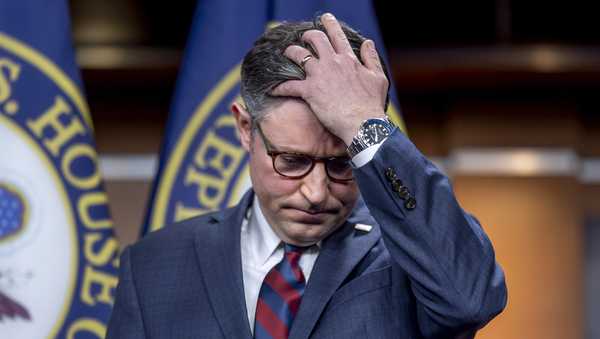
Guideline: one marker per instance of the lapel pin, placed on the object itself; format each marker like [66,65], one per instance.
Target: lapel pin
[363,227]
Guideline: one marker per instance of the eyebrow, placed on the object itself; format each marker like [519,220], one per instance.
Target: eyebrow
[311,155]
[287,150]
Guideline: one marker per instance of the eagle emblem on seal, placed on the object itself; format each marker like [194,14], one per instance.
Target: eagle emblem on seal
[12,309]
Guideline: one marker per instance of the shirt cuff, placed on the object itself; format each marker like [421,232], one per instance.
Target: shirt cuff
[364,156]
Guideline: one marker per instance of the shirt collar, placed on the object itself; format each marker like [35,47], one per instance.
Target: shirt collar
[263,240]
[262,237]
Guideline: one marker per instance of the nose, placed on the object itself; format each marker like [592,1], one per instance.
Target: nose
[315,186]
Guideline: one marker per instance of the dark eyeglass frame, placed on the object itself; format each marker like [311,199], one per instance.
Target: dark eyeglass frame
[273,153]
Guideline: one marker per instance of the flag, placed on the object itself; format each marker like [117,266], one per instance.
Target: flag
[202,166]
[58,254]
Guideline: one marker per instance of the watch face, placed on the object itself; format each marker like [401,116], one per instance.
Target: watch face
[373,133]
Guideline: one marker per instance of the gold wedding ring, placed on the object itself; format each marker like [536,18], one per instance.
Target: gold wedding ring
[305,60]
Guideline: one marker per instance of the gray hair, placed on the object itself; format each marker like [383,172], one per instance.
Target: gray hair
[265,66]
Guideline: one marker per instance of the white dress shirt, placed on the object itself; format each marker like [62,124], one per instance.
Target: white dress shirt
[261,248]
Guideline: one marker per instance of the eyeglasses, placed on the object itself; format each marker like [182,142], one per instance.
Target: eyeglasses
[297,165]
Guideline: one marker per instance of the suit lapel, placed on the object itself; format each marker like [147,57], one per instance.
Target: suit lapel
[339,254]
[219,257]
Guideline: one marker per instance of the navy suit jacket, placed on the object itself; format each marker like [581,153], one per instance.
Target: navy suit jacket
[426,272]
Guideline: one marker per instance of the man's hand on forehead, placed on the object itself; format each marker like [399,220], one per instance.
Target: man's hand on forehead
[340,90]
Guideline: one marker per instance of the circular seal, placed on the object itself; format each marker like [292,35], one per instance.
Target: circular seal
[50,200]
[37,238]
[207,168]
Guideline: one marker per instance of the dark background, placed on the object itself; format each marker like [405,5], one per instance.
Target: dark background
[440,53]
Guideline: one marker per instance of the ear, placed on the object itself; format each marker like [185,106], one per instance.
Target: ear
[243,122]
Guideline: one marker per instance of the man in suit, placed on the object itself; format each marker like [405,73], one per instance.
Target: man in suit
[286,262]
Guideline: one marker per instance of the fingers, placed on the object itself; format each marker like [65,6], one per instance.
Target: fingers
[290,88]
[319,42]
[300,55]
[325,45]
[370,57]
[338,39]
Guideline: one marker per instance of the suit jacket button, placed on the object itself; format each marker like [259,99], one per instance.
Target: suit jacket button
[397,185]
[404,193]
[390,174]
[410,203]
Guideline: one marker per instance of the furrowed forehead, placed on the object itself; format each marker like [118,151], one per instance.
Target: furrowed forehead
[293,128]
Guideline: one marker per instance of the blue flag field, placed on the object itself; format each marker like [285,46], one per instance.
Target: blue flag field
[58,254]
[202,164]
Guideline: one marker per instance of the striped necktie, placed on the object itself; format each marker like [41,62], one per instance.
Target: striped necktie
[280,296]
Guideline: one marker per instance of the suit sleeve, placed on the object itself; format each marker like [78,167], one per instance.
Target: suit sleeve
[450,261]
[126,319]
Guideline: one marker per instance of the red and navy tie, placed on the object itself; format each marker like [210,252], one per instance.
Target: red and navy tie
[280,296]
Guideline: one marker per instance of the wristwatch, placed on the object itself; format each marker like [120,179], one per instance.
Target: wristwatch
[371,132]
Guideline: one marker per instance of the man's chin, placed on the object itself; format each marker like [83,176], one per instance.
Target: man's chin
[304,234]
[304,217]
